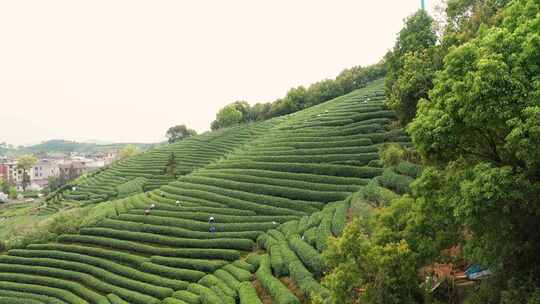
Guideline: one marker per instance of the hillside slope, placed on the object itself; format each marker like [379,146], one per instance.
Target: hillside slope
[283,185]
[147,171]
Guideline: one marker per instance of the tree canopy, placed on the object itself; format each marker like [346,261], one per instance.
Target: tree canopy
[128,151]
[179,132]
[26,162]
[230,115]
[481,126]
[472,105]
[411,65]
[298,98]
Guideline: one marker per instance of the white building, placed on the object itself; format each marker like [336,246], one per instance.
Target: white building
[39,173]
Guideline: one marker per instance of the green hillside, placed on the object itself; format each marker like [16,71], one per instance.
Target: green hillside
[147,171]
[277,190]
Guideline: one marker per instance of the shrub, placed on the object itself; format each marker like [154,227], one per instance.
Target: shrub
[172,301]
[300,274]
[221,218]
[248,294]
[216,284]
[270,200]
[228,279]
[27,288]
[206,253]
[173,273]
[108,264]
[276,260]
[273,191]
[303,225]
[396,182]
[195,264]
[315,219]
[309,255]
[283,179]
[322,169]
[254,260]
[5,300]
[392,154]
[91,281]
[310,236]
[74,288]
[187,297]
[340,218]
[409,169]
[206,294]
[26,295]
[130,187]
[231,201]
[363,159]
[177,231]
[114,299]
[118,256]
[375,195]
[239,273]
[286,177]
[240,244]
[244,265]
[195,225]
[98,273]
[289,228]
[325,230]
[279,292]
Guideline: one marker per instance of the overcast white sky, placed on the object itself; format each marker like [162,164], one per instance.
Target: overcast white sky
[125,71]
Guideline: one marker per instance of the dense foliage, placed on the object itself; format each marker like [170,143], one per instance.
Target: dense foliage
[179,132]
[299,98]
[128,151]
[369,272]
[480,129]
[473,104]
[411,65]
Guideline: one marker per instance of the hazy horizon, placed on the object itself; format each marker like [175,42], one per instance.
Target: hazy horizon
[125,71]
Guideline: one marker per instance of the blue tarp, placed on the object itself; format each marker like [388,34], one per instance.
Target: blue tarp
[477,272]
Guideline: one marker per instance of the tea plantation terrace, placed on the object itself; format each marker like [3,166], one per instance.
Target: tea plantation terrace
[147,171]
[282,186]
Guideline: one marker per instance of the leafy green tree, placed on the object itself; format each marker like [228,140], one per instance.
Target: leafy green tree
[128,151]
[358,76]
[299,98]
[12,192]
[371,273]
[322,91]
[480,130]
[260,111]
[4,186]
[411,65]
[465,17]
[25,163]
[243,107]
[179,132]
[413,82]
[228,116]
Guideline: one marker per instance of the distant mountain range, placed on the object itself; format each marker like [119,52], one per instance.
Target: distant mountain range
[67,146]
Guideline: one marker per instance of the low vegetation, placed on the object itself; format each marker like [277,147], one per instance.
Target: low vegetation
[321,197]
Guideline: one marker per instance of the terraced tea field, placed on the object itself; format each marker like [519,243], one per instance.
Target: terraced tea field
[277,190]
[147,171]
